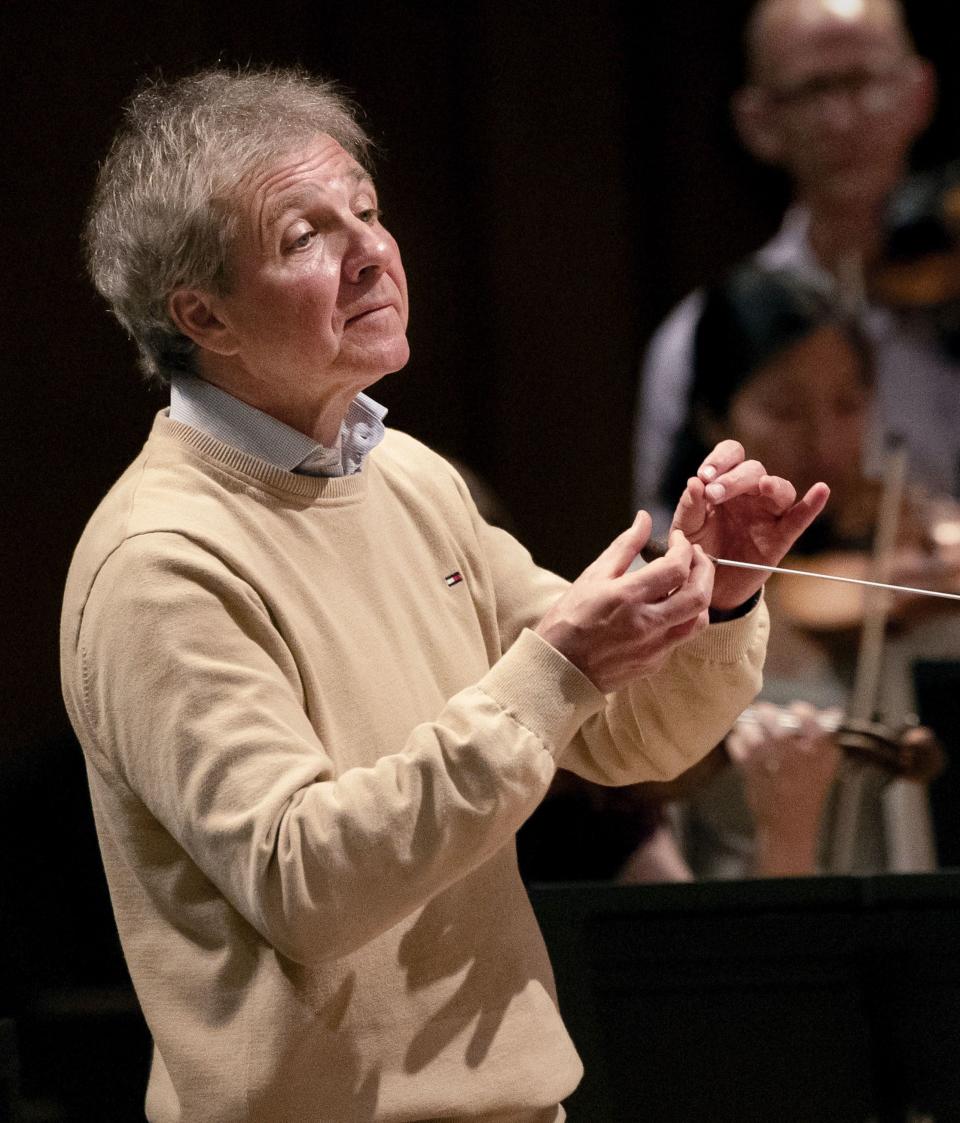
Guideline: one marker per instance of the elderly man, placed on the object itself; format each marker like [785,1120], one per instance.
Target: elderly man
[836,98]
[316,693]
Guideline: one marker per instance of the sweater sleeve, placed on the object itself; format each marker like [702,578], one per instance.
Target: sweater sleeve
[663,723]
[187,698]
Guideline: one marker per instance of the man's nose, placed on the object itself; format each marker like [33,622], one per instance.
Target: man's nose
[368,252]
[839,110]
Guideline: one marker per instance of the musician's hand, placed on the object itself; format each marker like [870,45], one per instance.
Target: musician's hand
[922,755]
[617,625]
[787,774]
[734,509]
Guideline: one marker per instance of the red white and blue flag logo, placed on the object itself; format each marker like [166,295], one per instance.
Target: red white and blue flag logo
[454,578]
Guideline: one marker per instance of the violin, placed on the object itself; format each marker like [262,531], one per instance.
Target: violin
[873,749]
[911,752]
[922,285]
[863,740]
[917,270]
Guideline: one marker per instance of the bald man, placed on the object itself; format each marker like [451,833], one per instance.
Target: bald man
[836,97]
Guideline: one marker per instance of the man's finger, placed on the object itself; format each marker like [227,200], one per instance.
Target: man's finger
[682,610]
[795,521]
[742,479]
[687,600]
[691,511]
[702,573]
[779,494]
[722,458]
[657,580]
[703,565]
[617,558]
[687,603]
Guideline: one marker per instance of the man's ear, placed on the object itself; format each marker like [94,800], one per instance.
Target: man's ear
[754,119]
[921,99]
[194,314]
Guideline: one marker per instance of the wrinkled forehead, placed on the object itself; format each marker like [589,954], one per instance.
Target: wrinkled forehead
[280,165]
[785,33]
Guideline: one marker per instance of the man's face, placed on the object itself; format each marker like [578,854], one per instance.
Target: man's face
[835,80]
[317,300]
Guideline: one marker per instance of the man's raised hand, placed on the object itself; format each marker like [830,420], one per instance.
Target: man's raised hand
[617,625]
[734,509]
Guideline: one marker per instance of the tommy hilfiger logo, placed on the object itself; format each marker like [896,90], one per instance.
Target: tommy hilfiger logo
[454,578]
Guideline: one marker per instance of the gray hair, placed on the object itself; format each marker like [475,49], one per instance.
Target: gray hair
[164,212]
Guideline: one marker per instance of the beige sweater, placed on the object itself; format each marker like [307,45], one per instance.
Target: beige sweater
[309,746]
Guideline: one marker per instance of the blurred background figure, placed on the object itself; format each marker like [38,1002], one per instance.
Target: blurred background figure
[822,367]
[779,368]
[836,96]
[775,367]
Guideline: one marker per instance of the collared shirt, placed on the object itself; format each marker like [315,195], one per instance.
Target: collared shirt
[200,404]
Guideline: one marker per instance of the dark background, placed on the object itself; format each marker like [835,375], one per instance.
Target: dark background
[556,176]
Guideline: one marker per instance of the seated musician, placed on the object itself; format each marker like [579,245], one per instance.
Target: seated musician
[779,370]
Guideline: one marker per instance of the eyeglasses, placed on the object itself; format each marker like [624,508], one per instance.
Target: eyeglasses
[870,92]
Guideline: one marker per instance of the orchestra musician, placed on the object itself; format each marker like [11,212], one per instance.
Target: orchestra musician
[835,97]
[792,377]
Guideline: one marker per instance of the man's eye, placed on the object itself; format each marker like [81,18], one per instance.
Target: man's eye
[370,215]
[302,240]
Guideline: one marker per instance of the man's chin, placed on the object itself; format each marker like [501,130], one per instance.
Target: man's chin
[853,186]
[400,359]
[386,360]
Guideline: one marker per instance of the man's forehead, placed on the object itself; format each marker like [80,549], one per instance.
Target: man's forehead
[783,28]
[319,154]
[310,177]
[299,174]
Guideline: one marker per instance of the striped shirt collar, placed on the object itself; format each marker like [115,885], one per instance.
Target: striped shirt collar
[200,404]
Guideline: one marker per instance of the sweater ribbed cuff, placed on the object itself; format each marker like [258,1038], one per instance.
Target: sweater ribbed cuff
[729,642]
[542,690]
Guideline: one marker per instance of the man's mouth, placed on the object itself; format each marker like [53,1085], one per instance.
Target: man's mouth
[365,312]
